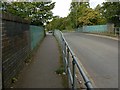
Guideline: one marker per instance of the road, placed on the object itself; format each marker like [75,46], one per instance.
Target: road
[98,55]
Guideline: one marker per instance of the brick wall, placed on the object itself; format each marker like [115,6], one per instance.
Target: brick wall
[15,46]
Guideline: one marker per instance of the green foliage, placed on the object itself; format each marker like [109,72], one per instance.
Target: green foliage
[111,11]
[76,11]
[80,14]
[37,12]
[40,13]
[90,17]
[14,80]
[98,8]
[59,23]
[60,70]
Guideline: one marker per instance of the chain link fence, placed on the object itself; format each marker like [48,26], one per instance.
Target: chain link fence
[36,34]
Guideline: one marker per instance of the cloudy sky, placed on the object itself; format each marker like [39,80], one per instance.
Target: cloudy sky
[62,6]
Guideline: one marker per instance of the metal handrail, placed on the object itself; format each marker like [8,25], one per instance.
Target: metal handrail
[66,51]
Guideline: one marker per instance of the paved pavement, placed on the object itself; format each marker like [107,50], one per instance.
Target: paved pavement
[41,72]
[98,55]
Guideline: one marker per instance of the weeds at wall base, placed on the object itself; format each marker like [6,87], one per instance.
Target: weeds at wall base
[27,62]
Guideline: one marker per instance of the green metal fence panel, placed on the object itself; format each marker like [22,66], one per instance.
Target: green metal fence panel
[36,34]
[95,28]
[107,29]
[80,29]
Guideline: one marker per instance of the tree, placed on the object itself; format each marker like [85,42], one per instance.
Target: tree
[38,13]
[91,16]
[59,23]
[98,8]
[81,14]
[76,8]
[111,11]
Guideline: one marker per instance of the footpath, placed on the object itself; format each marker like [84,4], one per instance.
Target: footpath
[40,73]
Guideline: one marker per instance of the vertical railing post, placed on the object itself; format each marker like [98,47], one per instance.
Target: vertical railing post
[65,49]
[62,42]
[65,53]
[73,66]
[68,57]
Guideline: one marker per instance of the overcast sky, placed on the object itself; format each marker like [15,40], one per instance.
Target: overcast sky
[62,6]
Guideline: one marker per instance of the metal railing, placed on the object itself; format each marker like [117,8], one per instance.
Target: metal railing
[67,51]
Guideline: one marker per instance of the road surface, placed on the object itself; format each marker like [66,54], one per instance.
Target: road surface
[98,55]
